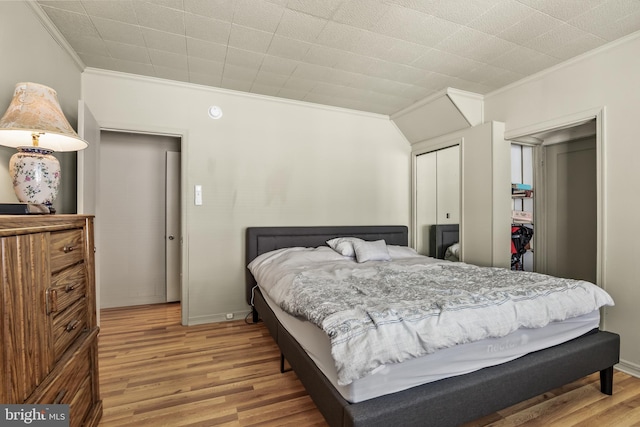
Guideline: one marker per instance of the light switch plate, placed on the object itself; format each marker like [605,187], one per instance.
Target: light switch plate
[198,195]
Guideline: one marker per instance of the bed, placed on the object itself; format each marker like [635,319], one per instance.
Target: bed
[445,402]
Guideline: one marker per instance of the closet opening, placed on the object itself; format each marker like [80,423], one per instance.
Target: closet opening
[561,165]
[522,207]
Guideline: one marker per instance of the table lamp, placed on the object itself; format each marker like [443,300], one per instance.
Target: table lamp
[35,125]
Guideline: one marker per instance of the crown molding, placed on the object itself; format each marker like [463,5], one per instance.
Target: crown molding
[55,34]
[231,92]
[564,64]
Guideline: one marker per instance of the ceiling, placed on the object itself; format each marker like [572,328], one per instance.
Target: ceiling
[379,56]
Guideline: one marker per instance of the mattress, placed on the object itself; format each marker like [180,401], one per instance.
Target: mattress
[444,363]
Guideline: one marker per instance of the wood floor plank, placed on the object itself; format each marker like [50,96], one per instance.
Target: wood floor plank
[156,372]
[552,410]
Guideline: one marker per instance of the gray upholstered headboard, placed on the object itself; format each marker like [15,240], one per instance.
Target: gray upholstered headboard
[265,239]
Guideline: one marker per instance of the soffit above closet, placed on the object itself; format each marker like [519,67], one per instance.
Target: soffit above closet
[447,111]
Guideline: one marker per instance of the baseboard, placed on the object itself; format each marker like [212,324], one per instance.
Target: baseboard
[629,368]
[214,318]
[132,301]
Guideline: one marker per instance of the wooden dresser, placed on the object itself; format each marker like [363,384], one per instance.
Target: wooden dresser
[48,323]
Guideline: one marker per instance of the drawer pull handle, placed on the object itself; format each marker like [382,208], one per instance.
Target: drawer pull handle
[59,396]
[68,248]
[72,325]
[70,288]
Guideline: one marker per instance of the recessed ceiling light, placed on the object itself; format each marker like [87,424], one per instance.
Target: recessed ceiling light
[215,112]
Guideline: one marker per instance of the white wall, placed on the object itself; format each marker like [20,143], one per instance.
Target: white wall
[265,162]
[30,54]
[610,79]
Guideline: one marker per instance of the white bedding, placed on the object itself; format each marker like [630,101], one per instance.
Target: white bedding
[444,363]
[379,313]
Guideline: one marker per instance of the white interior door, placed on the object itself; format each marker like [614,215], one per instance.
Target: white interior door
[425,199]
[173,240]
[88,173]
[437,192]
[448,171]
[88,161]
[571,209]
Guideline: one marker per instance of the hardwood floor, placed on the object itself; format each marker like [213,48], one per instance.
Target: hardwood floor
[155,372]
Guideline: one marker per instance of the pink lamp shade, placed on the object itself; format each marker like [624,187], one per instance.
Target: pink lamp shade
[35,125]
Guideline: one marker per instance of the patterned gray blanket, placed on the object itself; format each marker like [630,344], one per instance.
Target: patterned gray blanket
[388,312]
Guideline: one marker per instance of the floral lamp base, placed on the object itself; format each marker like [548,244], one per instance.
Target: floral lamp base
[36,175]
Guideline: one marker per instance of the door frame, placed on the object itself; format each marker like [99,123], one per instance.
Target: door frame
[88,123]
[523,136]
[182,134]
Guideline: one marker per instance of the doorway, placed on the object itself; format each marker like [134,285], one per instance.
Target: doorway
[140,264]
[568,211]
[522,202]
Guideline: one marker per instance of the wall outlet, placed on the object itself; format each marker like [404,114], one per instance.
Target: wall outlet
[229,316]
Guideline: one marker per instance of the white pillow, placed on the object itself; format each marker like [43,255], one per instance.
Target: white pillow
[400,252]
[344,245]
[453,252]
[371,251]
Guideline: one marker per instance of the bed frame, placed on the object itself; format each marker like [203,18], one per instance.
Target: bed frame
[447,402]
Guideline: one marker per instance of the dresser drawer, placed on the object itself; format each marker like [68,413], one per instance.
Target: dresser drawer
[66,248]
[81,403]
[67,286]
[68,325]
[70,383]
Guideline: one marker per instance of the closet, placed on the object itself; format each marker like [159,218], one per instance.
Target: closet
[474,191]
[522,199]
[479,198]
[437,187]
